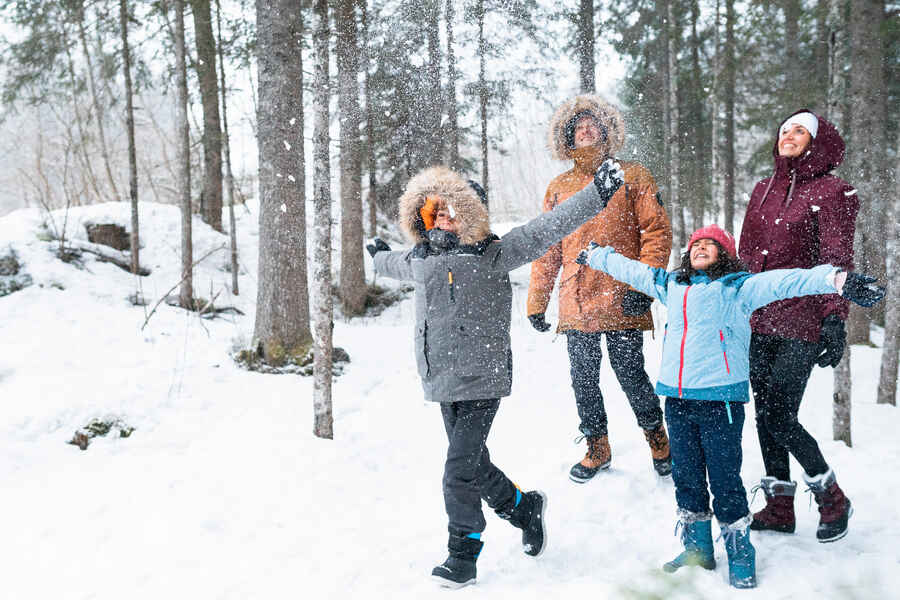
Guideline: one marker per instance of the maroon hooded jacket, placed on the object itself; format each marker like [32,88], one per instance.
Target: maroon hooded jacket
[800,217]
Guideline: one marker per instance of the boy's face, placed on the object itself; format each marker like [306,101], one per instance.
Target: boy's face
[443,220]
[704,253]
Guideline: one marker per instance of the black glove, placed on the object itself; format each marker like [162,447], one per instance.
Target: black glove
[634,304]
[538,322]
[582,258]
[377,245]
[859,288]
[832,338]
[608,179]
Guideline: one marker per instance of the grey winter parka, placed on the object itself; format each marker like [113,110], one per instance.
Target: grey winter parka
[463,296]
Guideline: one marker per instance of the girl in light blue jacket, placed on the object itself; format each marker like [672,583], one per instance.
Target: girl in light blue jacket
[705,376]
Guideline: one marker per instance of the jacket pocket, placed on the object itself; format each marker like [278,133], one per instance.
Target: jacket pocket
[480,352]
[724,351]
[422,350]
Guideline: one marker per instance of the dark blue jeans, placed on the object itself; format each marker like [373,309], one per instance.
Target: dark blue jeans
[704,442]
[469,474]
[626,357]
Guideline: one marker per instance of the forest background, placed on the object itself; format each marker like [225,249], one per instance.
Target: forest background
[323,110]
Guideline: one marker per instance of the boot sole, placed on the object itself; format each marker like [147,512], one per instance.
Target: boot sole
[775,528]
[452,585]
[841,534]
[543,523]
[603,467]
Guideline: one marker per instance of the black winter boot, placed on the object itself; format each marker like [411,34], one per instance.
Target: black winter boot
[834,507]
[529,517]
[459,568]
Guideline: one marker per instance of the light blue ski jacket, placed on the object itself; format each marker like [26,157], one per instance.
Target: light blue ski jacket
[706,347]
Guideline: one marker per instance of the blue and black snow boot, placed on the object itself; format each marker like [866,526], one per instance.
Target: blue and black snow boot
[696,535]
[527,513]
[459,568]
[741,554]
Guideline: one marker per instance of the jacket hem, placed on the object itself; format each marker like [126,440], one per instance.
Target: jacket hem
[735,392]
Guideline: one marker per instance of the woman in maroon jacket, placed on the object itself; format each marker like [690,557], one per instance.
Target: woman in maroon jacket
[799,217]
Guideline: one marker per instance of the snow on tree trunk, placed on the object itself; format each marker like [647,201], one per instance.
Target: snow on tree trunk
[841,406]
[183,161]
[322,300]
[211,195]
[129,126]
[352,276]
[282,302]
[585,46]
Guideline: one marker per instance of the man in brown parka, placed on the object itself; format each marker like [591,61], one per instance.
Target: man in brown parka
[587,130]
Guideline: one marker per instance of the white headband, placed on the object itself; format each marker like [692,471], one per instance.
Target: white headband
[806,119]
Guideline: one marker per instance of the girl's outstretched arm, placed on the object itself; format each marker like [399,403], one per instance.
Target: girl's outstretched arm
[755,291]
[652,281]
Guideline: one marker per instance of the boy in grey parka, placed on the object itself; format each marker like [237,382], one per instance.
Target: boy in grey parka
[463,299]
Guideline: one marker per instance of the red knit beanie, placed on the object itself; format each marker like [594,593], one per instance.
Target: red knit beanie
[714,232]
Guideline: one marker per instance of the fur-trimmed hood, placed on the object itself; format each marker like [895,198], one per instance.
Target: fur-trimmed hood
[472,216]
[607,114]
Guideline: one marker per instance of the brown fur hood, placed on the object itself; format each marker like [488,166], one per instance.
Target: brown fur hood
[471,214]
[603,111]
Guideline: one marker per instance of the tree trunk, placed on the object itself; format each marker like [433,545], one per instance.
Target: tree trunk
[183,161]
[322,300]
[129,127]
[226,156]
[585,46]
[697,192]
[714,113]
[211,196]
[98,109]
[678,226]
[453,160]
[820,56]
[837,66]
[793,67]
[372,196]
[435,141]
[887,382]
[867,143]
[841,407]
[482,95]
[728,93]
[282,305]
[353,277]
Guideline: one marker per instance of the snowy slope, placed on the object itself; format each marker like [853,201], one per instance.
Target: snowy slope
[223,492]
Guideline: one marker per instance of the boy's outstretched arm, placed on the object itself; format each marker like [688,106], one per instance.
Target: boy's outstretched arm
[530,241]
[395,265]
[652,281]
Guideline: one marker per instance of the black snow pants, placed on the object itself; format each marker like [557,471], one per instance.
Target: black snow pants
[626,356]
[469,475]
[779,370]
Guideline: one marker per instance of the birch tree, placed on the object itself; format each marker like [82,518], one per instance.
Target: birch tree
[369,148]
[129,127]
[226,157]
[183,161]
[887,382]
[282,305]
[322,300]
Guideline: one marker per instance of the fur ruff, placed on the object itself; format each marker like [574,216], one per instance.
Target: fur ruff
[474,224]
[603,111]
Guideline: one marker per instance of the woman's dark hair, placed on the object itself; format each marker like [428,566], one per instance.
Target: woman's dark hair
[724,265]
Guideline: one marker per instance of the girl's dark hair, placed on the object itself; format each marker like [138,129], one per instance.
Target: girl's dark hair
[724,265]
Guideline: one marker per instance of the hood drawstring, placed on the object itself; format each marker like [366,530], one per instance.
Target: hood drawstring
[790,190]
[768,187]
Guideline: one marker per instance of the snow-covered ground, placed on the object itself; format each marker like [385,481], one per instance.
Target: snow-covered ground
[222,491]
